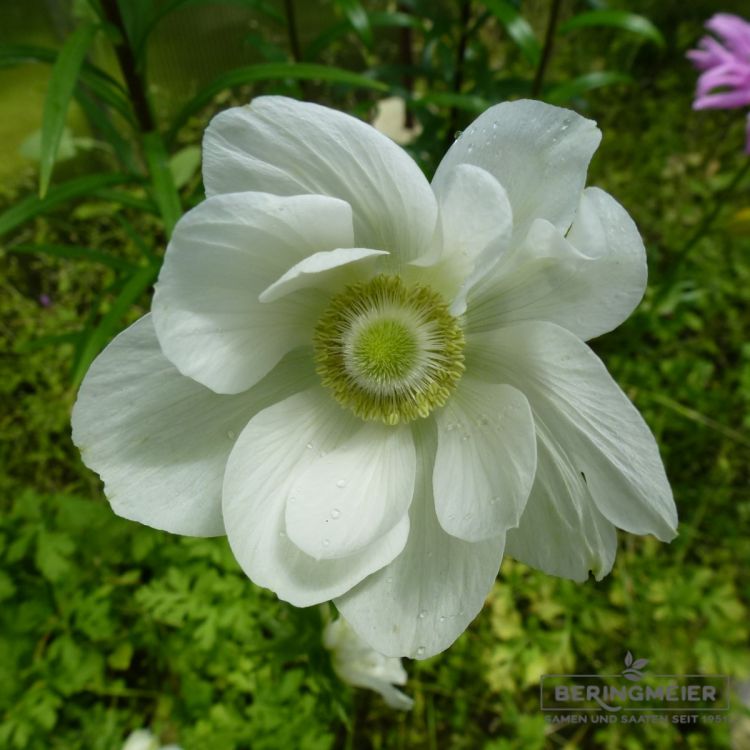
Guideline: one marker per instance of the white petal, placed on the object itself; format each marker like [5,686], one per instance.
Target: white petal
[325,270]
[160,441]
[588,283]
[270,455]
[349,498]
[420,603]
[476,225]
[222,255]
[561,531]
[574,397]
[486,458]
[286,147]
[538,153]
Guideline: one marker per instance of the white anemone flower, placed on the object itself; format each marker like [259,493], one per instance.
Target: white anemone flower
[375,385]
[361,666]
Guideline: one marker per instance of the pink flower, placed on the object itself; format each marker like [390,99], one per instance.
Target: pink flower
[725,64]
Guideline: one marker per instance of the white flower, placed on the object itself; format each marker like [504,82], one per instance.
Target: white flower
[359,665]
[143,739]
[374,385]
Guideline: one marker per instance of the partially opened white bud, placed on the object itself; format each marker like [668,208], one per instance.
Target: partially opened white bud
[359,665]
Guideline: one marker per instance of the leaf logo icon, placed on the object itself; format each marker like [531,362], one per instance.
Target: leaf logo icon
[633,667]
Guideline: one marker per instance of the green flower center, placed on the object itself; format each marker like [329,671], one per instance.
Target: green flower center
[388,352]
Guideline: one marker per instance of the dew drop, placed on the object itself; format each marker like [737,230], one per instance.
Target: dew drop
[231,434]
[292,499]
[465,436]
[326,542]
[389,580]
[458,134]
[341,483]
[421,651]
[282,534]
[310,446]
[494,126]
[442,618]
[423,614]
[335,513]
[470,148]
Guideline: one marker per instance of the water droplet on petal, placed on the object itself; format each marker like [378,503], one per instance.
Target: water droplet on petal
[282,534]
[423,614]
[326,542]
[231,434]
[310,446]
[335,513]
[458,134]
[421,651]
[442,618]
[341,483]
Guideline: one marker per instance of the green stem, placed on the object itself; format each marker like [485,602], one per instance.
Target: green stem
[291,27]
[129,67]
[549,39]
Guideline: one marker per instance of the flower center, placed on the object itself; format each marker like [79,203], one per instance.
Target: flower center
[388,352]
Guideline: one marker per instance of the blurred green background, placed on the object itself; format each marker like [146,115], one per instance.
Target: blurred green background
[107,626]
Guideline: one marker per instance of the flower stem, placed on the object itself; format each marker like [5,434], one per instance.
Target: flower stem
[549,39]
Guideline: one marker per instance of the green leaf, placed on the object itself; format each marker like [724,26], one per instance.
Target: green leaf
[100,83]
[184,164]
[616,19]
[81,186]
[99,336]
[338,30]
[53,550]
[517,28]
[358,18]
[564,92]
[74,252]
[62,83]
[270,72]
[162,184]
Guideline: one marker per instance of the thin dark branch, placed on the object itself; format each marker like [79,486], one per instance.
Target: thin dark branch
[291,28]
[549,40]
[129,67]
[406,51]
[458,75]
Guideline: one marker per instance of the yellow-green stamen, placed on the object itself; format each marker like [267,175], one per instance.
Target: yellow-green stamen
[389,352]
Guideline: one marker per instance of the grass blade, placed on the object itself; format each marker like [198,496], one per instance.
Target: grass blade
[517,28]
[564,92]
[74,252]
[615,19]
[62,83]
[269,72]
[78,188]
[98,337]
[164,191]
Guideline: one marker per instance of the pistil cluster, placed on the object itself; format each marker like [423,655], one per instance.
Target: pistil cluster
[389,352]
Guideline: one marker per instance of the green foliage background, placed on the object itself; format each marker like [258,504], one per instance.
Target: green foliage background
[107,626]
